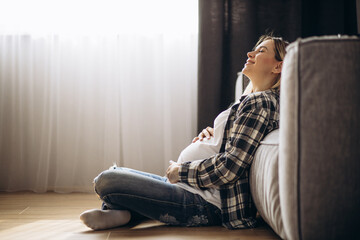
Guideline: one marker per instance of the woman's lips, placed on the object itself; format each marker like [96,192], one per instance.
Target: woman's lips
[249,62]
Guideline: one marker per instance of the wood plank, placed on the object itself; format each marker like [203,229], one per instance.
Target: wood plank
[26,215]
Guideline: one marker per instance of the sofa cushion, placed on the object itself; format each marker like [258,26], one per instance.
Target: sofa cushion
[264,182]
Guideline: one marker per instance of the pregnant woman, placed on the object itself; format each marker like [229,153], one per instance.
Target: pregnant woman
[209,184]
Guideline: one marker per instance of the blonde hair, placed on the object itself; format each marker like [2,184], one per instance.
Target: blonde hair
[280,51]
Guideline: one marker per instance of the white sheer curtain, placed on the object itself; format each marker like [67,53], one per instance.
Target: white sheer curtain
[72,104]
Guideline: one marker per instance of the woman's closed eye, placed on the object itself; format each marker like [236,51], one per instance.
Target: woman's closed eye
[262,49]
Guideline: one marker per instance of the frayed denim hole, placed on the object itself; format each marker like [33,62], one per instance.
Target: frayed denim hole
[197,220]
[171,220]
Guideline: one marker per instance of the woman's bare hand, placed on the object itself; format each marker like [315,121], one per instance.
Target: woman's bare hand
[205,133]
[172,173]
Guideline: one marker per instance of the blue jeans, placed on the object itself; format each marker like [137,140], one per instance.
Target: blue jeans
[154,197]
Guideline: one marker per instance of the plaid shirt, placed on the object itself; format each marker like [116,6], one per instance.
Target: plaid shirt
[248,123]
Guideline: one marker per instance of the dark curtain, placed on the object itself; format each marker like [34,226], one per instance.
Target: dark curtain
[228,29]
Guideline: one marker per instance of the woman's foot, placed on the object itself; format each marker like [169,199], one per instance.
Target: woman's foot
[97,219]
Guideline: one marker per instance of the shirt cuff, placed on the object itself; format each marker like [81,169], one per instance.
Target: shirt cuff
[183,172]
[188,173]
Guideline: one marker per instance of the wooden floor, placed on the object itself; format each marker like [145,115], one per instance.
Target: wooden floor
[52,216]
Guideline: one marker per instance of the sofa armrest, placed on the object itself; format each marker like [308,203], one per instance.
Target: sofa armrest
[241,82]
[319,154]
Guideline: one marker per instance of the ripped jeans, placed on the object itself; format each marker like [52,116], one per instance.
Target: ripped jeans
[154,197]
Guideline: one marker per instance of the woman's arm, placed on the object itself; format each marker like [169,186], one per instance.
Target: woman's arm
[247,131]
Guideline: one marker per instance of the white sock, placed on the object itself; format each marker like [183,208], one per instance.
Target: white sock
[103,219]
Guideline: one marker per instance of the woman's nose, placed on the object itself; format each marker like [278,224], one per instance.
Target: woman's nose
[249,54]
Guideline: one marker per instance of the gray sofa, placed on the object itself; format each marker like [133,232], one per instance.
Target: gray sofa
[305,177]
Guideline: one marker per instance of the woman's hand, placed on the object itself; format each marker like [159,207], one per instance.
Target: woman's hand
[205,133]
[172,173]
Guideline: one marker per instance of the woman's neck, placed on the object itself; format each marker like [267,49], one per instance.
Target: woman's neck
[262,85]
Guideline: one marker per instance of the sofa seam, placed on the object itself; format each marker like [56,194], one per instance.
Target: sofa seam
[298,130]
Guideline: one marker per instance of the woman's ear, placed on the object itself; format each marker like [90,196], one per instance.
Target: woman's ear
[278,67]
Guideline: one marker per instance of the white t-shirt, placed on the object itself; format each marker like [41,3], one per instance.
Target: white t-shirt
[201,150]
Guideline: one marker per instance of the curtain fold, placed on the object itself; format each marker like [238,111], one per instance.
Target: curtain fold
[228,29]
[71,106]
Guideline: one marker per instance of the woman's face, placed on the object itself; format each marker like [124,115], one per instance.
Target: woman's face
[261,62]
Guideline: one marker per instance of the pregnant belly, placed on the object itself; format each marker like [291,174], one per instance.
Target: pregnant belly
[200,150]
